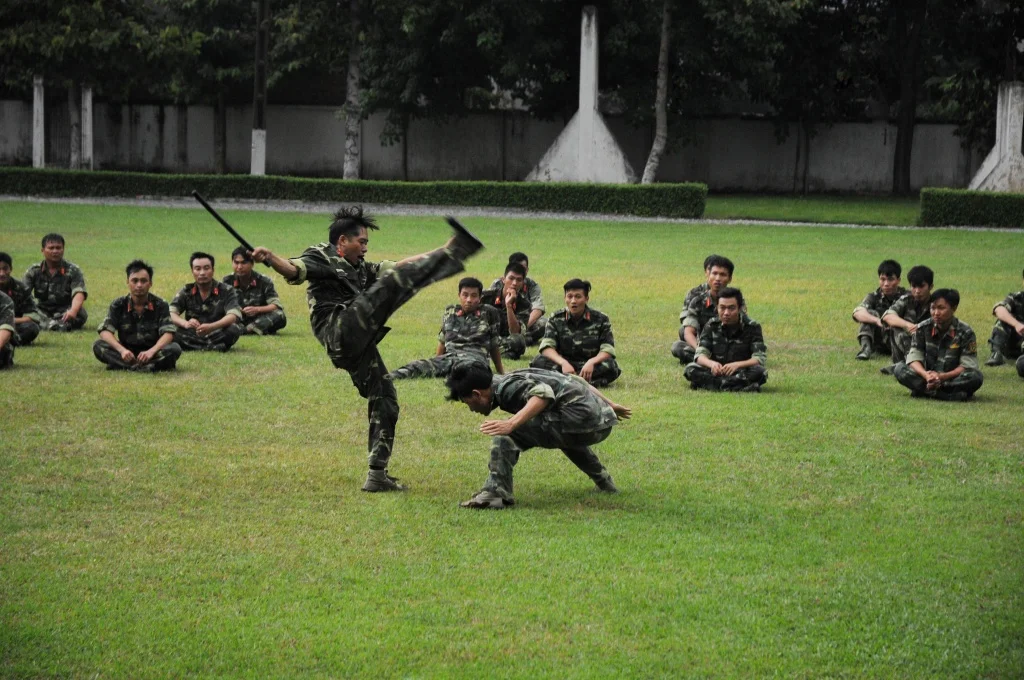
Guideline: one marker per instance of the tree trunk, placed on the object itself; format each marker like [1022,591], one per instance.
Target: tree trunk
[353,109]
[75,124]
[220,124]
[660,100]
[911,24]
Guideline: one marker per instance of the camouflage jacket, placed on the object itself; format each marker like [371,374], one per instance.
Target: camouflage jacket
[6,313]
[573,406]
[530,287]
[476,333]
[259,292]
[696,291]
[189,304]
[134,330]
[944,351]
[54,293]
[702,308]
[909,309]
[493,297]
[333,281]
[578,339]
[24,303]
[738,343]
[878,302]
[1014,304]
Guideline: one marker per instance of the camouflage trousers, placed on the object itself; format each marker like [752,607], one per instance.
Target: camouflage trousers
[351,335]
[899,343]
[879,337]
[605,372]
[539,432]
[26,331]
[7,355]
[437,367]
[264,324]
[700,377]
[1006,340]
[969,381]
[534,333]
[512,346]
[164,360]
[220,340]
[683,352]
[52,322]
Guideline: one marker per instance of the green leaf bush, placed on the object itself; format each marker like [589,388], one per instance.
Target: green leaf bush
[962,207]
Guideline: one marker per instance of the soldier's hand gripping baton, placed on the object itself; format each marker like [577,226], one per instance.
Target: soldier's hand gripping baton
[224,223]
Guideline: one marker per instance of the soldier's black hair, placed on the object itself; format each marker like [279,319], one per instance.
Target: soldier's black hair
[719,261]
[348,221]
[244,252]
[198,255]
[950,295]
[470,282]
[890,268]
[920,275]
[466,377]
[577,284]
[732,294]
[4,257]
[137,266]
[708,260]
[515,268]
[519,257]
[52,238]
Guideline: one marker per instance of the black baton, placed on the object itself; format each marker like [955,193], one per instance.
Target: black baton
[223,222]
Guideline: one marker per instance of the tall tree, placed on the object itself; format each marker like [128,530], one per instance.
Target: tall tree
[353,93]
[660,99]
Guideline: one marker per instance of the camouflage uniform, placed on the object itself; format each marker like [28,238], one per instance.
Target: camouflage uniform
[694,292]
[348,307]
[876,304]
[909,310]
[54,294]
[574,420]
[221,301]
[531,289]
[579,341]
[726,345]
[1005,339]
[138,333]
[7,324]
[512,345]
[957,346]
[24,305]
[466,337]
[258,293]
[702,308]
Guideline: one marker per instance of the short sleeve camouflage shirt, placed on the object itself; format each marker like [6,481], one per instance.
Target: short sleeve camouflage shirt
[53,292]
[943,351]
[220,302]
[726,344]
[908,309]
[6,313]
[493,298]
[1014,304]
[532,290]
[695,292]
[573,408]
[579,339]
[702,308]
[878,302]
[24,303]
[258,292]
[476,332]
[138,329]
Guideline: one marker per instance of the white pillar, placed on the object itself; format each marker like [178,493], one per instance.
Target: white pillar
[87,128]
[259,153]
[588,92]
[38,123]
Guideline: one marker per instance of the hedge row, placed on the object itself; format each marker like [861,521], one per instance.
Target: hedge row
[651,200]
[941,207]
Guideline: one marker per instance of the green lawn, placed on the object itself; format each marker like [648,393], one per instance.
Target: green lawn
[209,522]
[815,208]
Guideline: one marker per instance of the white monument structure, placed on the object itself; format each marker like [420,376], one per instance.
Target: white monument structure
[585,151]
[1003,169]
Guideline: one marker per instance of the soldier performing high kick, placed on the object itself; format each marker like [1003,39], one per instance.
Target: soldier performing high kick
[350,300]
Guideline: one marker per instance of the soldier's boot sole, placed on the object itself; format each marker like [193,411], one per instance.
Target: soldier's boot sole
[379,480]
[468,244]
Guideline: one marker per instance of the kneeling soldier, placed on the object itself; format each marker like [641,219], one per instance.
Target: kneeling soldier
[262,311]
[874,335]
[731,355]
[142,325]
[943,358]
[578,340]
[551,411]
[1008,334]
[26,313]
[6,332]
[207,311]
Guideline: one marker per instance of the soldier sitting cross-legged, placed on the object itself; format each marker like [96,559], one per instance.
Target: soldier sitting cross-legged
[206,311]
[26,313]
[731,355]
[262,311]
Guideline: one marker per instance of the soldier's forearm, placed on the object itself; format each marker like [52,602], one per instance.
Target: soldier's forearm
[1003,314]
[533,407]
[534,316]
[690,336]
[161,342]
[5,338]
[76,303]
[111,340]
[552,354]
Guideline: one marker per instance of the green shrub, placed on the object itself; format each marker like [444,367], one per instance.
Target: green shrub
[941,207]
[651,200]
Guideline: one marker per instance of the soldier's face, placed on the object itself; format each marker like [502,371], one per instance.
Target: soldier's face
[5,273]
[729,311]
[576,301]
[53,252]
[202,270]
[921,293]
[888,283]
[353,248]
[139,283]
[479,402]
[469,298]
[242,267]
[514,281]
[942,312]
[718,278]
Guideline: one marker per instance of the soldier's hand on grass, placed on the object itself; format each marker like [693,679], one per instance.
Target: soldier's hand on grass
[127,356]
[623,412]
[147,356]
[567,369]
[587,372]
[497,428]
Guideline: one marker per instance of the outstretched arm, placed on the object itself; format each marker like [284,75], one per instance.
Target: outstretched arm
[623,412]
[277,263]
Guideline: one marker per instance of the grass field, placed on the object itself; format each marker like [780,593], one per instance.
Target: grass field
[209,522]
[815,208]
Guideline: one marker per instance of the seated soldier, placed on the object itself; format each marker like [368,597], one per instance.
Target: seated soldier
[578,340]
[26,314]
[551,410]
[702,288]
[469,332]
[58,287]
[1008,334]
[701,309]
[262,311]
[942,361]
[207,311]
[732,354]
[873,334]
[507,296]
[535,323]
[7,337]
[908,311]
[137,334]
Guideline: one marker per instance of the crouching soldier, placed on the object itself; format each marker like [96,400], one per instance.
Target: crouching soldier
[137,334]
[262,311]
[943,358]
[731,354]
